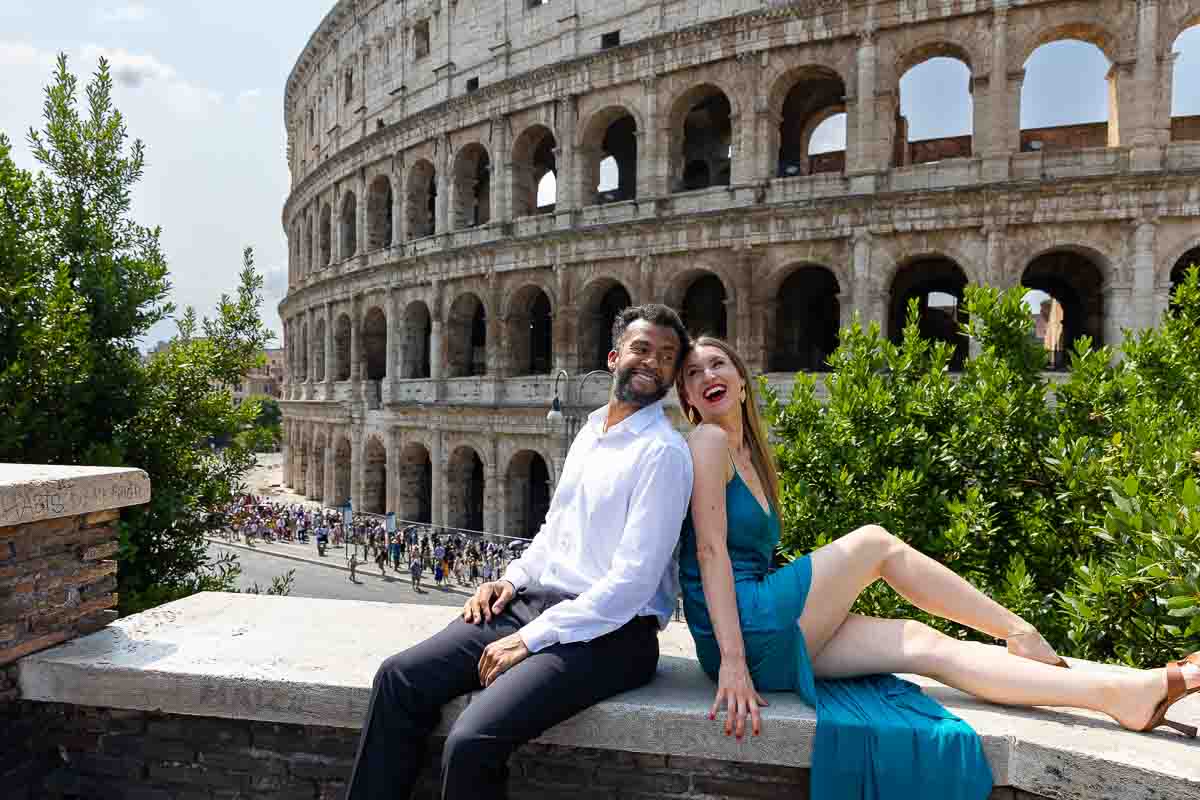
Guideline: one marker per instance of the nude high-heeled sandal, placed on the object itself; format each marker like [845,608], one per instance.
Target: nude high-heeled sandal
[1176,691]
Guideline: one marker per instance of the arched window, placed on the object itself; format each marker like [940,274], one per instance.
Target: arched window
[807,128]
[807,316]
[379,213]
[465,485]
[936,119]
[472,195]
[1185,100]
[702,139]
[415,486]
[1067,102]
[374,344]
[421,200]
[374,499]
[534,172]
[467,337]
[610,156]
[326,235]
[937,284]
[531,336]
[1067,302]
[526,495]
[349,226]
[599,305]
[704,307]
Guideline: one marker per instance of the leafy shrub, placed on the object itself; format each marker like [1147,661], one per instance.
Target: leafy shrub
[1070,503]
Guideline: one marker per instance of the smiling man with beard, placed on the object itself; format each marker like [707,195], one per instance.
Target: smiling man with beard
[575,619]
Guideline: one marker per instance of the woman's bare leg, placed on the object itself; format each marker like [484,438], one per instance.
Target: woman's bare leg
[866,646]
[842,569]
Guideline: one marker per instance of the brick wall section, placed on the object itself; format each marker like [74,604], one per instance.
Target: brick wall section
[57,582]
[133,755]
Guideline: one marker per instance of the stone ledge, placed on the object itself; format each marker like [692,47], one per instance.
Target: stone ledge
[36,492]
[311,662]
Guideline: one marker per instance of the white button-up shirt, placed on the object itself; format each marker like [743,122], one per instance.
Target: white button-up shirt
[611,531]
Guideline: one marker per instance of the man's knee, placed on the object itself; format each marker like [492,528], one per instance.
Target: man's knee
[469,749]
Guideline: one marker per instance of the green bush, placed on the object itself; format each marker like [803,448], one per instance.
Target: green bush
[1074,504]
[81,282]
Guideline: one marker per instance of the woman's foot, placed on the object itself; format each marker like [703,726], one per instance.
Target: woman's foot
[1135,703]
[1029,643]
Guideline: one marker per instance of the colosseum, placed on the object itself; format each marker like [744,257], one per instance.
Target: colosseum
[478,185]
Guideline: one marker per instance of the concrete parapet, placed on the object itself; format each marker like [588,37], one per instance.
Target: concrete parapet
[305,664]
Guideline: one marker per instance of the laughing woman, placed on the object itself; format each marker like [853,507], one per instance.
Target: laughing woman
[792,630]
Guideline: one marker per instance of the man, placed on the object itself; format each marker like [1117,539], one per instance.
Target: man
[576,618]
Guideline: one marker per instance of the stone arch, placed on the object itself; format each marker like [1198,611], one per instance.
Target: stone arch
[535,155]
[326,235]
[801,99]
[375,344]
[1184,50]
[348,226]
[466,486]
[317,490]
[934,281]
[611,132]
[420,199]
[805,316]
[414,496]
[1185,262]
[319,355]
[341,348]
[379,213]
[307,246]
[908,151]
[471,187]
[700,295]
[341,471]
[530,323]
[300,476]
[1076,134]
[527,494]
[466,340]
[1075,283]
[701,137]
[303,355]
[374,499]
[599,303]
[415,345]
[1093,31]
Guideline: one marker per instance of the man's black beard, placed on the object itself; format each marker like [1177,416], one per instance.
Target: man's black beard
[625,392]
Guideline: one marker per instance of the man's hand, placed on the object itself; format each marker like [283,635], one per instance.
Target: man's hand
[500,656]
[489,599]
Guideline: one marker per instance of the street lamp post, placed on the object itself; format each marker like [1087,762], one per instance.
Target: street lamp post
[572,421]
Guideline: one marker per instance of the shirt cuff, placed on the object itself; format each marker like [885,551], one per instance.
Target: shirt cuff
[517,577]
[538,635]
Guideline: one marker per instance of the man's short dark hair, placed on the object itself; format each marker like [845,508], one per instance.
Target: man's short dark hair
[655,314]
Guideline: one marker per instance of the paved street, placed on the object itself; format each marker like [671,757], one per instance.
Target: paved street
[313,580]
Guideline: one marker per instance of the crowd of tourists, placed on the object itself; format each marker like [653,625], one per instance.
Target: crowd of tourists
[422,552]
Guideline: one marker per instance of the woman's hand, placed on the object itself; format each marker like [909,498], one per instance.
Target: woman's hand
[735,688]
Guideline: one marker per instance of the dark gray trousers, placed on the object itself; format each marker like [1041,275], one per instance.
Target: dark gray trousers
[548,687]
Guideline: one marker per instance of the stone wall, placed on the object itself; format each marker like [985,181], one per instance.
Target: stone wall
[140,755]
[58,577]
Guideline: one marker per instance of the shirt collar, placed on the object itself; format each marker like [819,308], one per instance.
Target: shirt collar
[635,423]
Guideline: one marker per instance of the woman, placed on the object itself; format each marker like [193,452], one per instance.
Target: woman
[755,631]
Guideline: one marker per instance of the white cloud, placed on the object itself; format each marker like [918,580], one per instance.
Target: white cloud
[131,70]
[129,13]
[248,100]
[19,54]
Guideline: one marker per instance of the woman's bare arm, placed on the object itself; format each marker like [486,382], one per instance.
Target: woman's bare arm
[711,470]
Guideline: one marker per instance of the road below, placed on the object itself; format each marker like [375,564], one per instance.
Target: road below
[314,580]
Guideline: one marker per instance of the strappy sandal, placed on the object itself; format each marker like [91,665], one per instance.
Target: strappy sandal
[1176,691]
[1059,663]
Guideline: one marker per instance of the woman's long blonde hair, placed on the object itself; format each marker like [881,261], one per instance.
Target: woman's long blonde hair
[754,432]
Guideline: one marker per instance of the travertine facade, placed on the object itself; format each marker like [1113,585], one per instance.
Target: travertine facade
[434,293]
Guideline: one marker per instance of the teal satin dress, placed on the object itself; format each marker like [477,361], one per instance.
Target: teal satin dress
[878,737]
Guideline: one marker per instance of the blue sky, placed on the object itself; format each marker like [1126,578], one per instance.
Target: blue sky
[202,84]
